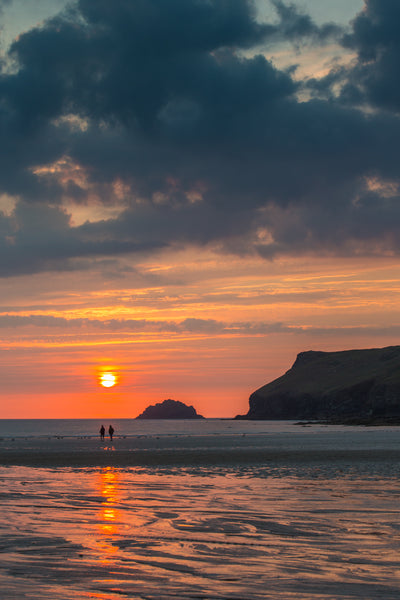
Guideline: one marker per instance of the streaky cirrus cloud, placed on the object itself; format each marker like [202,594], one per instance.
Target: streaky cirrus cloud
[156,108]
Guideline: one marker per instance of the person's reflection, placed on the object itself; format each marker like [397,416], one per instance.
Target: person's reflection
[109,514]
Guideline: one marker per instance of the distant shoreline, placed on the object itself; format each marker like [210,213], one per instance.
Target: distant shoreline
[366,422]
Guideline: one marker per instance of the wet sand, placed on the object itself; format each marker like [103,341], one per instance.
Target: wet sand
[112,533]
[313,515]
[297,445]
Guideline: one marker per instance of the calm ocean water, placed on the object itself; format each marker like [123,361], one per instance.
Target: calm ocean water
[212,509]
[135,427]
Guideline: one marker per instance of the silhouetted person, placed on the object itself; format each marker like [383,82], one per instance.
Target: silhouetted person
[102,432]
[111,431]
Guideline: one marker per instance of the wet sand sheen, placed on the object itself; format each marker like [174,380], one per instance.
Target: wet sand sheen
[112,532]
[265,512]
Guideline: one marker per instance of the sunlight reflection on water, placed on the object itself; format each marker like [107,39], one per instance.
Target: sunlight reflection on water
[109,514]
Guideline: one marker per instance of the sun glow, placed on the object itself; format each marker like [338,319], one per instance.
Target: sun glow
[108,380]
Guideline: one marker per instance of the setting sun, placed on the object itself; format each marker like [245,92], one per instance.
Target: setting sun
[108,380]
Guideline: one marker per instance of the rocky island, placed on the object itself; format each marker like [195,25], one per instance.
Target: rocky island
[352,386]
[169,409]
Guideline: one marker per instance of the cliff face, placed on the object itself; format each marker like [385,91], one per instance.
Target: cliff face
[169,409]
[353,384]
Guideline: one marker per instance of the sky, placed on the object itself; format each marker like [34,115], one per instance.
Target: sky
[191,193]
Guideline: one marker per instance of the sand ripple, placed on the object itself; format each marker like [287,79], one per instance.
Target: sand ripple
[110,532]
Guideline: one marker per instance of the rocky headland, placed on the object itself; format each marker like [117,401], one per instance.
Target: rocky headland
[352,386]
[170,409]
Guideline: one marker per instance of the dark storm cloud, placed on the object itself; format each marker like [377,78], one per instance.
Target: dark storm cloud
[372,79]
[37,237]
[375,38]
[297,26]
[210,144]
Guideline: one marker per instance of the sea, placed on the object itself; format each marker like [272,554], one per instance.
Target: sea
[212,509]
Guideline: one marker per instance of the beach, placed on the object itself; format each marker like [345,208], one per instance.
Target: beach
[214,510]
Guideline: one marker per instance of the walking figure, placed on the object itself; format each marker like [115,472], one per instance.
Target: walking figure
[102,432]
[111,431]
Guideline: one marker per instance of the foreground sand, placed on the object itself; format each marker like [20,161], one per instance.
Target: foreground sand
[306,515]
[110,533]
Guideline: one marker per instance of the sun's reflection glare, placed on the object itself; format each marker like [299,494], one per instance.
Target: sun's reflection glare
[110,516]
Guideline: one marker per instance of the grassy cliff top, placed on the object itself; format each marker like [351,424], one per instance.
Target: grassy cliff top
[325,372]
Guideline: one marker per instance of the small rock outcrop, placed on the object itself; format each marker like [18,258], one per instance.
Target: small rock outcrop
[349,386]
[169,409]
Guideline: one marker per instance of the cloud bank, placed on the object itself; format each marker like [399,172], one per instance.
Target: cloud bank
[202,327]
[166,113]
